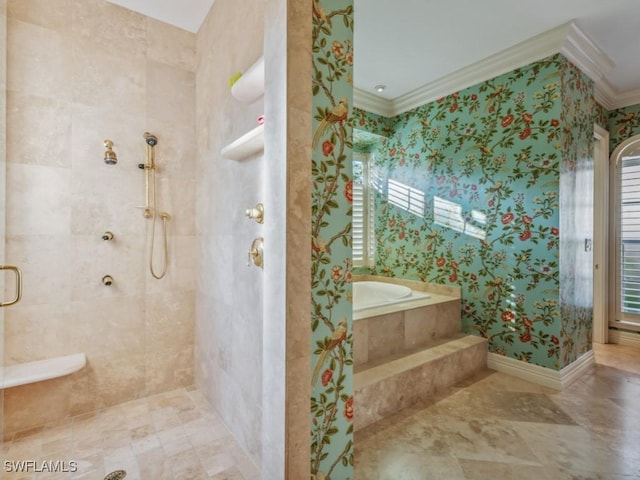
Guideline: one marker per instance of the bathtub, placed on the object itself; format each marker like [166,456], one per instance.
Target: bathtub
[370,294]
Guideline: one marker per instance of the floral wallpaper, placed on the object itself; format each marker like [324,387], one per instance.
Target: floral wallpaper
[579,112]
[371,122]
[332,406]
[623,124]
[472,192]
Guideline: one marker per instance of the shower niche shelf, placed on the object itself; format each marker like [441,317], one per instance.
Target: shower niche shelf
[250,86]
[245,146]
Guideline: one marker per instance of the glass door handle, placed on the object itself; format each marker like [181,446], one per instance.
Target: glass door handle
[18,296]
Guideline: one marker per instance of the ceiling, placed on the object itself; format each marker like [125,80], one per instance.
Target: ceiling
[423,40]
[186,14]
[407,44]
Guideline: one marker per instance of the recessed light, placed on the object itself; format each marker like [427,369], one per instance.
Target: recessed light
[380,88]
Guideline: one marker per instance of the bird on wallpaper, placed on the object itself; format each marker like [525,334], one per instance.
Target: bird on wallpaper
[337,337]
[337,114]
[318,11]
[319,245]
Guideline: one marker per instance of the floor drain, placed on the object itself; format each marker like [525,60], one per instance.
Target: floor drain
[117,475]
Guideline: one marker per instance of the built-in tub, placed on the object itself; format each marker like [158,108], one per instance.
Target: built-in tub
[392,316]
[371,294]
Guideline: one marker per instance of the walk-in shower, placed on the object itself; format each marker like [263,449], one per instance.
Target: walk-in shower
[151,209]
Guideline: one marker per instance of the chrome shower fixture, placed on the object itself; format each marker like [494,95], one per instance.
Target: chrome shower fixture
[110,157]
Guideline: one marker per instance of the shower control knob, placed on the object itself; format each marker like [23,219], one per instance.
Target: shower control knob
[107,236]
[107,280]
[257,213]
[255,254]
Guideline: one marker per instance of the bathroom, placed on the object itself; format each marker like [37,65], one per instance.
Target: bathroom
[79,73]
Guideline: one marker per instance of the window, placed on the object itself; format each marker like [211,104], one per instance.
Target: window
[630,233]
[363,239]
[627,232]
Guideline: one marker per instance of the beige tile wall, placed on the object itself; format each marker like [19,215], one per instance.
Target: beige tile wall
[3,123]
[80,72]
[287,373]
[229,315]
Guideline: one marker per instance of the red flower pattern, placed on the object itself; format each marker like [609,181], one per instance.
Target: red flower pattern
[327,375]
[348,409]
[507,218]
[507,120]
[348,191]
[525,337]
[525,133]
[508,316]
[526,235]
[327,148]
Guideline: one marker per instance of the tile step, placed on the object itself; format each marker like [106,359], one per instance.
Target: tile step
[385,388]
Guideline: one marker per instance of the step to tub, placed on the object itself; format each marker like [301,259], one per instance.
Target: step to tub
[387,386]
[38,371]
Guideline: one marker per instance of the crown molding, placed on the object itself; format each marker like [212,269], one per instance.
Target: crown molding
[567,39]
[580,50]
[621,100]
[524,53]
[372,103]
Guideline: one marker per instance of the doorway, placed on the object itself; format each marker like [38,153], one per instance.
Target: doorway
[600,233]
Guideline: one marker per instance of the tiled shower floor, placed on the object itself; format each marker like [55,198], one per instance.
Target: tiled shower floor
[173,436]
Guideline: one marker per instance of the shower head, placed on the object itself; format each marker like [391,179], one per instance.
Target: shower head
[151,140]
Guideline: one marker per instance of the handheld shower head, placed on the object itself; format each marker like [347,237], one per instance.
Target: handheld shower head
[151,140]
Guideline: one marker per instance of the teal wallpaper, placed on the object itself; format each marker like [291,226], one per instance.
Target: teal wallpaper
[579,112]
[623,124]
[472,196]
[332,193]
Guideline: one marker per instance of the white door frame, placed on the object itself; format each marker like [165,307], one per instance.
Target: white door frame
[600,234]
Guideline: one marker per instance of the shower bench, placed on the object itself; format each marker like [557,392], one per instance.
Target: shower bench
[31,372]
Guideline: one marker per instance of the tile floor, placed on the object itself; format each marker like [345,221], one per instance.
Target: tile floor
[173,436]
[498,427]
[490,427]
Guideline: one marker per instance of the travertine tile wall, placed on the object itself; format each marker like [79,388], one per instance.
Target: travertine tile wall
[287,332]
[80,72]
[3,124]
[229,319]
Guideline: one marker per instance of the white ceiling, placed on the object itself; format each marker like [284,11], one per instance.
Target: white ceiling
[186,14]
[405,44]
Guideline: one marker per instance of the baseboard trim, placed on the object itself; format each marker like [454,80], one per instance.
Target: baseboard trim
[546,377]
[624,338]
